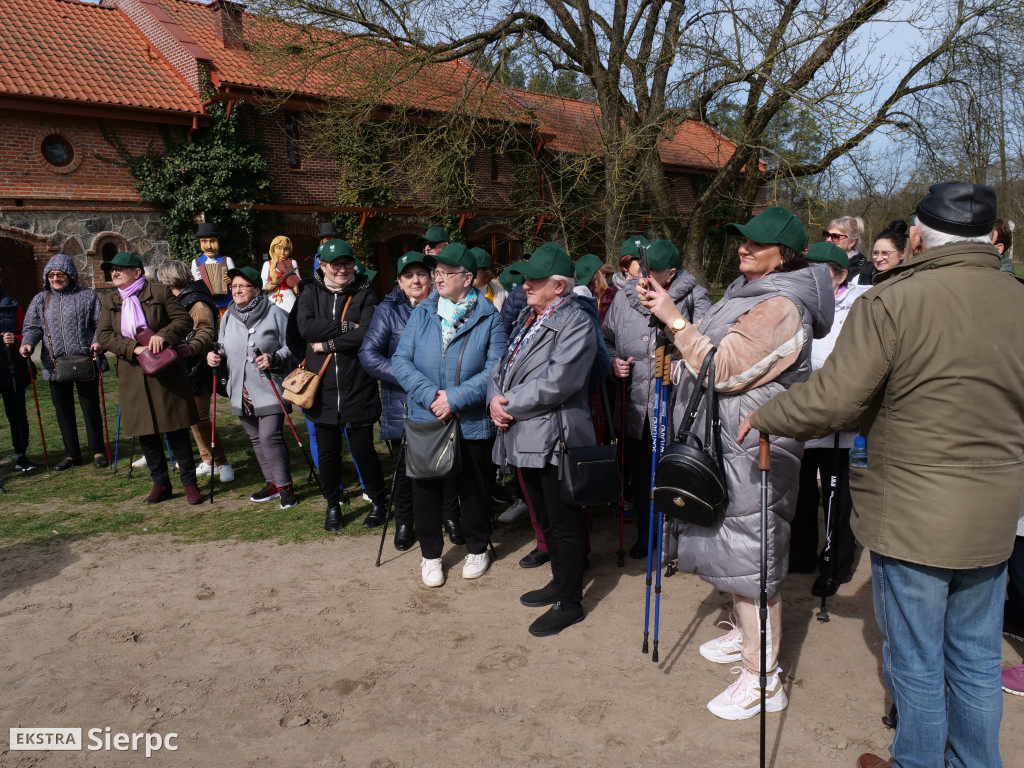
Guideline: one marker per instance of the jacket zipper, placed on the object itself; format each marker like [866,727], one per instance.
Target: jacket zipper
[60,315]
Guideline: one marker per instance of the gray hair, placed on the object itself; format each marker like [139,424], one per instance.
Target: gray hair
[570,282]
[932,238]
[853,226]
[174,274]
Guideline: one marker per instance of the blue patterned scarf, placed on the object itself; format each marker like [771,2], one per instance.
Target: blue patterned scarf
[454,315]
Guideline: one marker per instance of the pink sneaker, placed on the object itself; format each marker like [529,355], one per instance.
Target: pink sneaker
[1013,680]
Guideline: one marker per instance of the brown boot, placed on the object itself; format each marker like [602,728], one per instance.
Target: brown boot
[158,494]
[867,760]
[193,495]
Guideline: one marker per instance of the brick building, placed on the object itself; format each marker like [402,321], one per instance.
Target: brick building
[75,72]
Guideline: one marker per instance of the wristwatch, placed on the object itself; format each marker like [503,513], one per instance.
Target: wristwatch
[675,327]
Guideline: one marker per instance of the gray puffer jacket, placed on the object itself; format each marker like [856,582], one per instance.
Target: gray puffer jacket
[547,379]
[627,333]
[265,330]
[729,557]
[71,317]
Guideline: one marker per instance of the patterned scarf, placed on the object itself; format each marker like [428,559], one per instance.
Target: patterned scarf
[244,312]
[132,317]
[454,315]
[522,338]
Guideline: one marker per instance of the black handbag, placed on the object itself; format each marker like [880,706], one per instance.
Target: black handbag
[432,448]
[589,475]
[689,481]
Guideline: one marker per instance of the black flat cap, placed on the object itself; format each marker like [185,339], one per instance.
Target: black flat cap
[959,208]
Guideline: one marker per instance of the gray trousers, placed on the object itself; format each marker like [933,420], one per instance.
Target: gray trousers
[268,444]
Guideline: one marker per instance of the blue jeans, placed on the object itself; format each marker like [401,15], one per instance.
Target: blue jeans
[941,654]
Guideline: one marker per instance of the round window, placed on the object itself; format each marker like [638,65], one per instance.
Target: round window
[58,150]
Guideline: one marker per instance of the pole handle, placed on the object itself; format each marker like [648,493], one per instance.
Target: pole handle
[764,449]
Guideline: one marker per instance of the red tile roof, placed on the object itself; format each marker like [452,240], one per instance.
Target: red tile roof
[572,125]
[70,51]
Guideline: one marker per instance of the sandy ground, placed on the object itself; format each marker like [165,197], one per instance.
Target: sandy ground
[306,655]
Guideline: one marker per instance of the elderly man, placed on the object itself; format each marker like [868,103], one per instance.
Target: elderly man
[940,399]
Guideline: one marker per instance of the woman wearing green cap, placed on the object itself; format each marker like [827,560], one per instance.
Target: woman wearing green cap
[762,329]
[141,315]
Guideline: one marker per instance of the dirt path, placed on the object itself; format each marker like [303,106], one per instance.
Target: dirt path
[306,655]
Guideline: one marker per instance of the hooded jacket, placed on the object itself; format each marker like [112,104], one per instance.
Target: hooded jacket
[72,316]
[939,398]
[628,333]
[348,395]
[729,557]
[379,345]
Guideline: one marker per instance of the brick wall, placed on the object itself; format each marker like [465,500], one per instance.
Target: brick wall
[27,174]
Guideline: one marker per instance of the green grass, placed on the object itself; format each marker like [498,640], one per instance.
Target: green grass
[50,507]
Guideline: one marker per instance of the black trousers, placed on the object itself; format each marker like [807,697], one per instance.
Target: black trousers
[1014,610]
[402,497]
[63,396]
[638,463]
[563,531]
[428,499]
[156,457]
[17,415]
[804,556]
[329,439]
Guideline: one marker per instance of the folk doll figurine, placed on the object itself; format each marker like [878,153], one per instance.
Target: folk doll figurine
[281,274]
[211,267]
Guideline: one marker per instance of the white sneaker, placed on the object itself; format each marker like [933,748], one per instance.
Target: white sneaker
[476,565]
[516,510]
[139,463]
[203,469]
[433,576]
[742,699]
[366,497]
[727,648]
[225,473]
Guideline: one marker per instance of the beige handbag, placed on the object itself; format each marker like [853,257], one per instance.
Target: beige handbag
[300,386]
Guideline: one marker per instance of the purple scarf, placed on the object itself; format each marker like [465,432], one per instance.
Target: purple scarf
[132,317]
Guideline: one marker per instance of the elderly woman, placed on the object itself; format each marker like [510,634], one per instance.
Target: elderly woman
[379,345]
[138,316]
[452,341]
[332,315]
[537,388]
[64,317]
[631,343]
[202,308]
[762,329]
[280,274]
[253,349]
[891,246]
[846,232]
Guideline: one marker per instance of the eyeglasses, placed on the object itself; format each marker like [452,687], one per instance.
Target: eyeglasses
[56,275]
[238,287]
[340,266]
[440,274]
[118,269]
[882,254]
[833,237]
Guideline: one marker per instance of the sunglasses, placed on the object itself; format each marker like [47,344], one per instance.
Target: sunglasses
[833,237]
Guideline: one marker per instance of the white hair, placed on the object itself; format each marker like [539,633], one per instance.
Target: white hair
[932,238]
[569,282]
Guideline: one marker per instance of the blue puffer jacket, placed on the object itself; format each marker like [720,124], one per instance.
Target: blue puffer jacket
[379,345]
[422,369]
[514,304]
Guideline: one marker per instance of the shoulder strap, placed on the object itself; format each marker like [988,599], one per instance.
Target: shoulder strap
[697,395]
[345,308]
[690,305]
[458,363]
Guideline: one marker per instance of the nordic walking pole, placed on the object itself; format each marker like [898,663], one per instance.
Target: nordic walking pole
[622,478]
[117,440]
[302,448]
[131,459]
[828,566]
[659,356]
[103,402]
[39,415]
[170,456]
[213,422]
[661,440]
[764,464]
[391,499]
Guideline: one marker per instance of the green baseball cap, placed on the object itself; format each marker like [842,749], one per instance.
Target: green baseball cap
[457,255]
[483,258]
[828,252]
[414,257]
[436,235]
[550,259]
[360,269]
[123,259]
[629,247]
[249,274]
[587,266]
[662,254]
[335,249]
[509,278]
[773,226]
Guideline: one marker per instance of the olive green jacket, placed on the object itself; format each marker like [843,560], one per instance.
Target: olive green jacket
[930,364]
